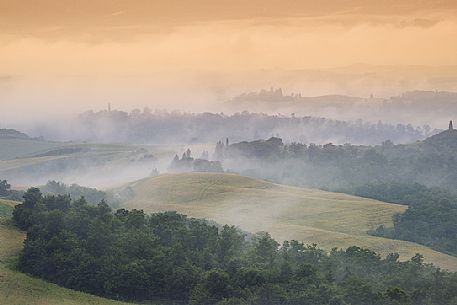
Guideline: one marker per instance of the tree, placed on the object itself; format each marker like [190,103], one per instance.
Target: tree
[264,248]
[24,212]
[4,188]
[230,243]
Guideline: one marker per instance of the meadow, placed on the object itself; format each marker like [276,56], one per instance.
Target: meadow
[312,216]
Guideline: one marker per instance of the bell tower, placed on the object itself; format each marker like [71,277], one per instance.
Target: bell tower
[450,125]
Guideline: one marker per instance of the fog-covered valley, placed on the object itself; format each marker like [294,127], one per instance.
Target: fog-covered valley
[228,152]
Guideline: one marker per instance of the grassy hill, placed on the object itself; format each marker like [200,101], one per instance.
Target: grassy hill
[313,216]
[21,148]
[20,289]
[34,162]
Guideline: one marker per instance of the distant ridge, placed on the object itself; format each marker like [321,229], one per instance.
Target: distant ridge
[12,134]
[277,95]
[445,140]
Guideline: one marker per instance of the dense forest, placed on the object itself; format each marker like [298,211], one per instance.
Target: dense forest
[132,256]
[432,162]
[431,217]
[160,127]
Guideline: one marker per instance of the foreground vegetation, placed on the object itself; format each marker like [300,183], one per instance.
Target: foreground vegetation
[20,289]
[129,255]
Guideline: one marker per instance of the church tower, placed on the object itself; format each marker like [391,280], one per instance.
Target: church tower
[450,125]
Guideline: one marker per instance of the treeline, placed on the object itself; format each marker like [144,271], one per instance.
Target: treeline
[53,187]
[403,193]
[431,217]
[132,256]
[189,164]
[432,162]
[159,127]
[76,191]
[7,193]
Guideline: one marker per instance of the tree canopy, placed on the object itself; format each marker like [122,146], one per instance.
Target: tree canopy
[132,256]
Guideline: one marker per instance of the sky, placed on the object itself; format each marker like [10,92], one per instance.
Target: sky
[62,56]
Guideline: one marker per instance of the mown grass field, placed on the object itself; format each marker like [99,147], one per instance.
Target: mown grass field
[312,216]
[20,289]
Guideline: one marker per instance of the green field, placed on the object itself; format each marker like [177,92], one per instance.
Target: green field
[20,289]
[21,148]
[312,216]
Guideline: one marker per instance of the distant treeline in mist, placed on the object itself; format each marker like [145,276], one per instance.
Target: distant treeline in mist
[416,107]
[432,162]
[58,188]
[146,127]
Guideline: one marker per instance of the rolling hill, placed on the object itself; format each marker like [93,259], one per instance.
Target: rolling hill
[34,162]
[312,216]
[17,288]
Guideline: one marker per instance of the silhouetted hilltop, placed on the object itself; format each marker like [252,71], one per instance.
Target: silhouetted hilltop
[12,134]
[415,107]
[277,95]
[443,141]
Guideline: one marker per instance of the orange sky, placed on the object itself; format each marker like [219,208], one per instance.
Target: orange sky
[222,34]
[99,42]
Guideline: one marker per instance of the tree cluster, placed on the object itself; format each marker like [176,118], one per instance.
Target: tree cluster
[431,217]
[132,256]
[188,164]
[7,193]
[432,162]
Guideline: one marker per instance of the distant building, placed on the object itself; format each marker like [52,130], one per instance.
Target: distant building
[450,125]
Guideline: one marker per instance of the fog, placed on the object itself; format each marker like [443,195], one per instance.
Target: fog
[177,75]
[70,58]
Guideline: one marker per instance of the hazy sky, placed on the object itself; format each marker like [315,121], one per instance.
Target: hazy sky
[74,54]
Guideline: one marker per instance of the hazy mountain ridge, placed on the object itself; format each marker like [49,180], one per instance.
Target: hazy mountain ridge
[417,107]
[12,134]
[159,127]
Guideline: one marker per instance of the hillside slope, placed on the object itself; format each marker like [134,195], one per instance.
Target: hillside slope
[313,216]
[33,162]
[17,288]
